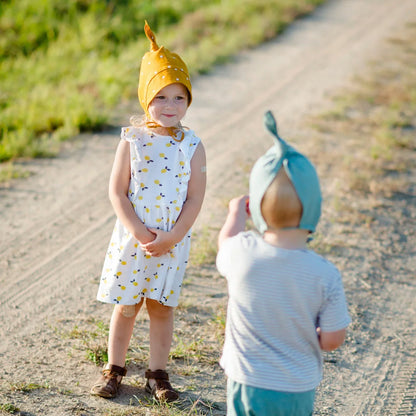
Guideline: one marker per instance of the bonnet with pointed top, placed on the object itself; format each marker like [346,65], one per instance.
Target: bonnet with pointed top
[299,170]
[160,68]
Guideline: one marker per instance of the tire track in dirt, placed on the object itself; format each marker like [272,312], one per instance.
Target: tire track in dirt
[390,387]
[403,399]
[69,221]
[49,267]
[407,405]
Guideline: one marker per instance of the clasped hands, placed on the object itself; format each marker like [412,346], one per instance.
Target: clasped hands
[158,243]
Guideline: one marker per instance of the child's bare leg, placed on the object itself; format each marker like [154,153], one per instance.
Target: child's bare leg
[121,329]
[161,332]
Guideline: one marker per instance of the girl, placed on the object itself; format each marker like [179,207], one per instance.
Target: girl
[157,186]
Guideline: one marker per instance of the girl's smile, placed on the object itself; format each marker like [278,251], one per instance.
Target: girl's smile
[169,106]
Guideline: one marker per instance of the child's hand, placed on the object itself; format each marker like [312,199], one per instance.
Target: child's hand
[236,218]
[239,206]
[161,245]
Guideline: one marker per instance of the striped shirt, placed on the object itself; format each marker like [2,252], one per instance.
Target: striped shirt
[277,298]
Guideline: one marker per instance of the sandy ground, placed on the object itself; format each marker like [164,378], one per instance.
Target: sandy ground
[55,227]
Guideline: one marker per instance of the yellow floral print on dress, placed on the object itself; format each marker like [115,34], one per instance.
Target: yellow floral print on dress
[160,172]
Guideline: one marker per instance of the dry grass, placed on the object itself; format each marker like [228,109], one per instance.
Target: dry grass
[376,123]
[204,247]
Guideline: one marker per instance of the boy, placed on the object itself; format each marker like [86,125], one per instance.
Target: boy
[286,303]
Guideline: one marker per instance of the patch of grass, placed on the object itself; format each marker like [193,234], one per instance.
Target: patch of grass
[9,171]
[97,354]
[66,66]
[9,408]
[193,351]
[142,406]
[187,351]
[204,247]
[27,387]
[375,120]
[94,340]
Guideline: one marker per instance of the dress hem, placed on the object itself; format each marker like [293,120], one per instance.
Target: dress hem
[132,304]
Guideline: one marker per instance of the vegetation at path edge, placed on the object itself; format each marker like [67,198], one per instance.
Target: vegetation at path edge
[66,65]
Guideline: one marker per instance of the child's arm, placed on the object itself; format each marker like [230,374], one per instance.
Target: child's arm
[164,241]
[236,219]
[330,341]
[118,193]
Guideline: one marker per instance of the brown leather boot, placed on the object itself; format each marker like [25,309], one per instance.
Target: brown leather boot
[162,390]
[108,384]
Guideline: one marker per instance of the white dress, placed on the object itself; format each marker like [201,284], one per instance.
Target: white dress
[160,171]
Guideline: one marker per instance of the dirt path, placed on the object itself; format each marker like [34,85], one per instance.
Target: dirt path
[56,224]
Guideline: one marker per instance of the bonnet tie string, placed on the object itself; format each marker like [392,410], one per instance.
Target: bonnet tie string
[173,131]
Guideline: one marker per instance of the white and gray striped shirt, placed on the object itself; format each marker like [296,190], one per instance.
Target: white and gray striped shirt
[277,298]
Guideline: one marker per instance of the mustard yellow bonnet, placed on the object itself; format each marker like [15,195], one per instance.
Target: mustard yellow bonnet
[160,68]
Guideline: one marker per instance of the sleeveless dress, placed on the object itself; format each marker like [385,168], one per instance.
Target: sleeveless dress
[160,171]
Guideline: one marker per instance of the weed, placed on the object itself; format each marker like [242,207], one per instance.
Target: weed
[94,341]
[27,387]
[187,351]
[9,408]
[97,354]
[193,351]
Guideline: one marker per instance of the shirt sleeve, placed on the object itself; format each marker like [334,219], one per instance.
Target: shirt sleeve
[224,260]
[232,250]
[334,314]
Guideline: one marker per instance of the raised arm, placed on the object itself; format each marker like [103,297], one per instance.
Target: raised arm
[236,219]
[118,193]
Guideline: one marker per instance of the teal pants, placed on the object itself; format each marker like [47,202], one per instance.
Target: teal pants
[245,400]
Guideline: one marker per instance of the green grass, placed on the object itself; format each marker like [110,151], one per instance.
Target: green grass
[94,341]
[193,351]
[27,387]
[8,408]
[65,66]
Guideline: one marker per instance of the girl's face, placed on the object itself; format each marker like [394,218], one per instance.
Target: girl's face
[170,105]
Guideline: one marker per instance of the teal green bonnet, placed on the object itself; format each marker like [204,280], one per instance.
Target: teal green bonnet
[299,170]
